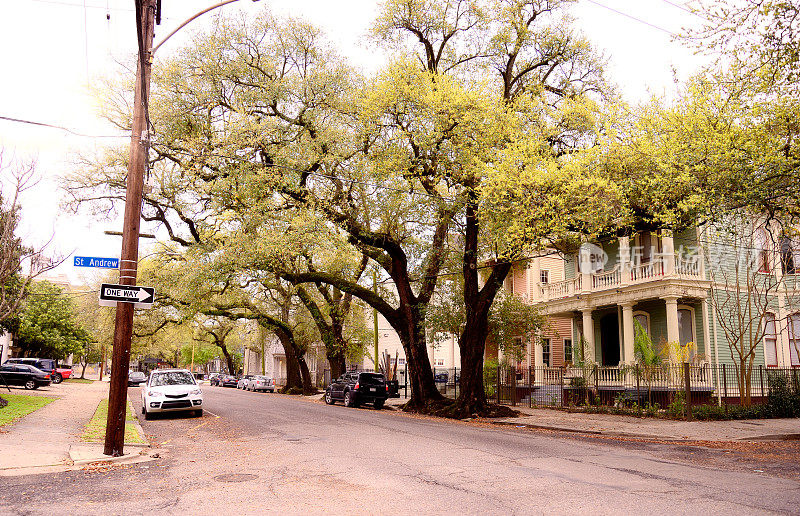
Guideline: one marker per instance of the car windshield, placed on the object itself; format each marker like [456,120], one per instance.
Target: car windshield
[172,378]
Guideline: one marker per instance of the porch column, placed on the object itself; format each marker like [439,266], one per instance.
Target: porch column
[672,319]
[625,260]
[627,333]
[668,254]
[588,334]
[539,358]
[535,282]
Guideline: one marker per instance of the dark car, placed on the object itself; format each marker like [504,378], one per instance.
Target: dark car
[227,380]
[23,374]
[355,388]
[57,373]
[136,378]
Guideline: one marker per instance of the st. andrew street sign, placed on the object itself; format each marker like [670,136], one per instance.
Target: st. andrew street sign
[141,297]
[91,261]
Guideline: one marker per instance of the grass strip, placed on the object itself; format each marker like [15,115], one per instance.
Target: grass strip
[19,406]
[95,429]
[78,380]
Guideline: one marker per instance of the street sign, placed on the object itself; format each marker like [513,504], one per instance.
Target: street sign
[91,261]
[141,297]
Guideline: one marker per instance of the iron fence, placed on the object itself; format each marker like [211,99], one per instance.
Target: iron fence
[627,385]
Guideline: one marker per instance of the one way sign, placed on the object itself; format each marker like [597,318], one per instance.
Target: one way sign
[141,297]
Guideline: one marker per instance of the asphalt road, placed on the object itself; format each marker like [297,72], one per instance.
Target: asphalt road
[269,453]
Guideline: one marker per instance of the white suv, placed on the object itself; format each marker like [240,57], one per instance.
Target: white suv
[171,390]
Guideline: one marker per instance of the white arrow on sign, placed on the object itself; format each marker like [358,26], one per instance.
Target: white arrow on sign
[141,297]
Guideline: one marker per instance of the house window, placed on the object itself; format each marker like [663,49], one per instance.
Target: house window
[544,277]
[790,255]
[762,248]
[686,326]
[438,362]
[794,339]
[546,352]
[567,350]
[770,340]
[401,361]
[643,318]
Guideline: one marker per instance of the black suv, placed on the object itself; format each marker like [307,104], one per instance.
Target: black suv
[355,388]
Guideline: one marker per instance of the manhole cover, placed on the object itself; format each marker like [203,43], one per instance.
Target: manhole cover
[235,477]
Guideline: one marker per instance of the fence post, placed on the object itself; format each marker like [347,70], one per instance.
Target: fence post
[530,389]
[688,386]
[561,381]
[596,383]
[405,381]
[761,377]
[514,388]
[725,386]
[497,393]
[638,394]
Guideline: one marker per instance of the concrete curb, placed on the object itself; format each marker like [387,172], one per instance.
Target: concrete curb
[653,437]
[90,453]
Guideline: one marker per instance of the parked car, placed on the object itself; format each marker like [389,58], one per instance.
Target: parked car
[242,383]
[57,373]
[23,374]
[355,388]
[213,378]
[136,378]
[227,380]
[171,390]
[260,383]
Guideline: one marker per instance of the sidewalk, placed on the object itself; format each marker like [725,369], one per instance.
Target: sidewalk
[653,428]
[49,438]
[643,428]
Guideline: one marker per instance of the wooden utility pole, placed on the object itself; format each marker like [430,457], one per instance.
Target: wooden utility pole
[129,257]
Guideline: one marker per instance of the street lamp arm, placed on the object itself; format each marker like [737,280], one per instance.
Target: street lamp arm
[187,22]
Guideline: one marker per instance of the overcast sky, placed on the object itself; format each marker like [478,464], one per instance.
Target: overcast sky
[54,49]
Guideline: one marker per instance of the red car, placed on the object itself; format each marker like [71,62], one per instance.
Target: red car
[48,365]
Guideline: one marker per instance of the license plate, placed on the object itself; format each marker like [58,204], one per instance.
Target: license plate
[373,389]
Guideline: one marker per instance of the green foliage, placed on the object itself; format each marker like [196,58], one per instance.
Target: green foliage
[513,323]
[47,326]
[490,377]
[643,347]
[678,406]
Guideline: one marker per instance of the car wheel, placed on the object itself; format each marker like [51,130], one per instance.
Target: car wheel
[349,401]
[378,404]
[328,397]
[147,415]
[30,385]
[198,413]
[143,410]
[57,378]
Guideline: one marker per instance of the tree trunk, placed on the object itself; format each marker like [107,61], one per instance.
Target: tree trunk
[83,369]
[337,363]
[423,389]
[305,376]
[477,303]
[228,358]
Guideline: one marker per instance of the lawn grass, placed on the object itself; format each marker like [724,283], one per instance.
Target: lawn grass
[95,429]
[78,380]
[19,406]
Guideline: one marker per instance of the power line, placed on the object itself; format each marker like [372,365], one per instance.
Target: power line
[60,127]
[621,13]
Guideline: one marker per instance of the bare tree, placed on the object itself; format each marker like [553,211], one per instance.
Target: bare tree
[19,263]
[743,288]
